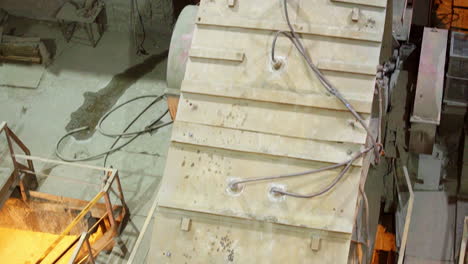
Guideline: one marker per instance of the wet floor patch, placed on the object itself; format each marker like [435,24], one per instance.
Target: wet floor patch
[96,104]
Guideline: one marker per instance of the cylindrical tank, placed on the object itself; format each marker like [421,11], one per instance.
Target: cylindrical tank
[180,45]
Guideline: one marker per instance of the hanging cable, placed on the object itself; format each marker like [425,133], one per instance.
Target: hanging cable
[235,184]
[328,187]
[124,133]
[325,82]
[376,145]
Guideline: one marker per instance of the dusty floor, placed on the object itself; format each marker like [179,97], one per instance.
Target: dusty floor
[79,86]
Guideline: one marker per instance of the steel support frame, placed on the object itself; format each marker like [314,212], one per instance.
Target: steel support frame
[25,181]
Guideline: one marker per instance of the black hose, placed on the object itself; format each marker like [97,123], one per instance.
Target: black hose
[149,128]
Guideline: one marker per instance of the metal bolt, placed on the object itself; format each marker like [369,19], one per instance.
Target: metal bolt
[277,64]
[234,188]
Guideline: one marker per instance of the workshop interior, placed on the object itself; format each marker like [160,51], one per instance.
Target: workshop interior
[233,131]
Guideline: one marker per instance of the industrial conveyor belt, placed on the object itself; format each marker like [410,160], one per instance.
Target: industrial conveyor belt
[239,117]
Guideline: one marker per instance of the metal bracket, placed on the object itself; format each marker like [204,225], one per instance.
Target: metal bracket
[315,243]
[355,14]
[185,224]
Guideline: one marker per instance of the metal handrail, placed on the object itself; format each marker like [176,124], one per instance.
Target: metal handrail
[112,177]
[84,240]
[104,193]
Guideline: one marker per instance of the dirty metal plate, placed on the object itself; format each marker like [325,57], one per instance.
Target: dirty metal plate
[262,143]
[366,24]
[197,180]
[349,71]
[250,116]
[290,96]
[212,239]
[429,88]
[431,233]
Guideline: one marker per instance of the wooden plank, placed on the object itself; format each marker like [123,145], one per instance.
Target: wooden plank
[193,167]
[15,39]
[36,60]
[22,49]
[268,144]
[290,97]
[249,115]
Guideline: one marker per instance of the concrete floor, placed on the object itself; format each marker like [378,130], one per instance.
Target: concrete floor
[40,117]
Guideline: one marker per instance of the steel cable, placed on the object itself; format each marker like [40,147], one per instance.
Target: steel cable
[294,38]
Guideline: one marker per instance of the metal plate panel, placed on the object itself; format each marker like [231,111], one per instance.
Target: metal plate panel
[430,84]
[214,239]
[199,176]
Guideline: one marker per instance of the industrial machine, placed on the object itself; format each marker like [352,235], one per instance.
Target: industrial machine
[274,133]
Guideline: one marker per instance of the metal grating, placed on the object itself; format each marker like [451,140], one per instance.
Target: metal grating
[456,87]
[458,65]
